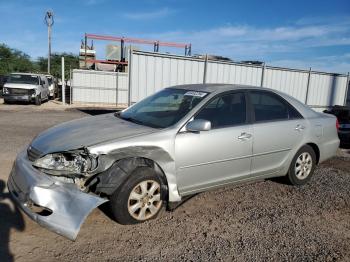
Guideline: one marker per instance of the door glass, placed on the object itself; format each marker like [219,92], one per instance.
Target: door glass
[268,107]
[226,110]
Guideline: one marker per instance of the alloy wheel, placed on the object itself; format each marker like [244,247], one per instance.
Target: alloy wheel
[144,200]
[303,165]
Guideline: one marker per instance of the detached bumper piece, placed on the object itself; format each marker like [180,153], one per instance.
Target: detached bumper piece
[60,207]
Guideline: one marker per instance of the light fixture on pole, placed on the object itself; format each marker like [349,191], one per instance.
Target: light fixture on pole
[49,22]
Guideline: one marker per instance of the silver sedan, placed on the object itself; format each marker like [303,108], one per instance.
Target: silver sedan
[179,141]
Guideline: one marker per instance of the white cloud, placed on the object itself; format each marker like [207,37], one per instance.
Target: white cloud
[93,2]
[295,45]
[334,64]
[149,15]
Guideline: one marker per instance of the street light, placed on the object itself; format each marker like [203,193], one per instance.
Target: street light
[49,22]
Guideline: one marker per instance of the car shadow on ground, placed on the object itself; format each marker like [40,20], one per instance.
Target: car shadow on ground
[10,218]
[97,111]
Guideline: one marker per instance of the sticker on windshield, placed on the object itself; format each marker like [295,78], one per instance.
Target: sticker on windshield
[195,93]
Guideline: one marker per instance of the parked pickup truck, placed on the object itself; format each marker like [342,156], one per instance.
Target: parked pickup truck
[26,87]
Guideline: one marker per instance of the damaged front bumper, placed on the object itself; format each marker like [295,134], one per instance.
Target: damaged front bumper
[58,206]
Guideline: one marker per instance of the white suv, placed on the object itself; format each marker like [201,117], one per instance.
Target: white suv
[26,87]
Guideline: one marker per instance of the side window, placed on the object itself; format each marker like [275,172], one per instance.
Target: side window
[269,107]
[226,110]
[293,113]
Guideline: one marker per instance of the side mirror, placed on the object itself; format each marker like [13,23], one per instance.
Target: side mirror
[198,125]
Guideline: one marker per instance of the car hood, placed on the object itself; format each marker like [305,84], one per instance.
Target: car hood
[86,132]
[22,86]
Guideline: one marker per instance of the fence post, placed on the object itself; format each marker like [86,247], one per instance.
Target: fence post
[117,86]
[63,83]
[346,89]
[70,85]
[85,50]
[205,69]
[262,75]
[308,86]
[129,76]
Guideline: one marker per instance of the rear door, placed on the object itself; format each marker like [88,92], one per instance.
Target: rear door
[221,155]
[277,128]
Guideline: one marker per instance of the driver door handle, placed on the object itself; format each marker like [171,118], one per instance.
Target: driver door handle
[244,136]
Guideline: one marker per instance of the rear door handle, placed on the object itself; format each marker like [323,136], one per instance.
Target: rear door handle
[244,136]
[299,128]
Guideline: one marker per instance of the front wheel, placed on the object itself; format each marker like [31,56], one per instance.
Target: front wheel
[139,199]
[38,100]
[302,166]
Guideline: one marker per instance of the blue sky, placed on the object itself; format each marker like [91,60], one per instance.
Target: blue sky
[298,34]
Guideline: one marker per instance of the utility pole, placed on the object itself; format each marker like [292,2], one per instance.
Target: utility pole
[49,22]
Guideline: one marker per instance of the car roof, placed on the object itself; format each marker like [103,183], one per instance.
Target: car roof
[31,74]
[219,88]
[211,88]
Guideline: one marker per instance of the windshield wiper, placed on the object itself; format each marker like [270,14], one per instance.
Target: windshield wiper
[133,120]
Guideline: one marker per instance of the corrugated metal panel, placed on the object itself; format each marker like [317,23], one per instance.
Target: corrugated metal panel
[218,72]
[293,83]
[100,87]
[151,72]
[326,89]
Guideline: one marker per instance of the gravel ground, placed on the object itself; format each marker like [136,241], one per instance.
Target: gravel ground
[254,222]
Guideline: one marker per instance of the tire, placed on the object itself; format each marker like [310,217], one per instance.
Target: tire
[302,166]
[130,203]
[38,100]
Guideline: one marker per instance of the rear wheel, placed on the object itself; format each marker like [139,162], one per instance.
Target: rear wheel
[139,199]
[302,166]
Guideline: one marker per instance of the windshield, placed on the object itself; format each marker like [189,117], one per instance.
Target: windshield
[23,79]
[164,108]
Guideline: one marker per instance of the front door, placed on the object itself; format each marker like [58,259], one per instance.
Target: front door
[219,156]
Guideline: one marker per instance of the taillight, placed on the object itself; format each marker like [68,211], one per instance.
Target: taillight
[337,124]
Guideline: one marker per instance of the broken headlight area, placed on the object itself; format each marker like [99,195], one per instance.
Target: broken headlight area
[68,164]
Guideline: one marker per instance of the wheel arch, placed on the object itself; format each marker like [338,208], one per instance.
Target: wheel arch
[115,176]
[316,150]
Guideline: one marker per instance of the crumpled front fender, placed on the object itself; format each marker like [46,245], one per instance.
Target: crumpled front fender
[68,207]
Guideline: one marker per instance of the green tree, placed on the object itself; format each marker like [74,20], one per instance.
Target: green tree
[13,60]
[70,60]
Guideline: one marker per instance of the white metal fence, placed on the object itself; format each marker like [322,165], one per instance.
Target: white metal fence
[100,87]
[150,72]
